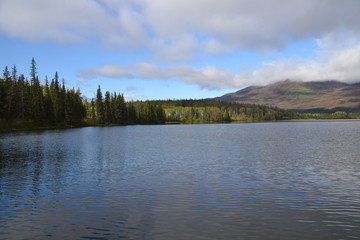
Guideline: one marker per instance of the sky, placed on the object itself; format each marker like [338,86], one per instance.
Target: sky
[181,49]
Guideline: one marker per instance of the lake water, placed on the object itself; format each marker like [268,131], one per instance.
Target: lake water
[276,180]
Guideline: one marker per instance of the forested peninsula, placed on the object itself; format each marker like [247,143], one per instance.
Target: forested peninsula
[31,103]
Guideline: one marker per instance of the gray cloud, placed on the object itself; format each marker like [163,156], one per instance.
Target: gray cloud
[253,24]
[176,30]
[131,89]
[58,21]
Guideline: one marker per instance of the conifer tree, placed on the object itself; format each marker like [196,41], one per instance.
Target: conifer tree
[21,97]
[6,74]
[92,111]
[99,105]
[14,74]
[37,101]
[121,110]
[107,109]
[33,70]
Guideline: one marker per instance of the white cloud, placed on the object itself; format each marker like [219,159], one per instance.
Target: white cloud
[133,97]
[342,65]
[110,71]
[208,77]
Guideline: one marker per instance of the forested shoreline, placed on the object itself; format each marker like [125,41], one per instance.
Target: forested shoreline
[44,104]
[199,111]
[28,104]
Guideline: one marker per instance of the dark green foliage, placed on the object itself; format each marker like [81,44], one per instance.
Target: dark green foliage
[6,74]
[132,115]
[113,110]
[33,70]
[48,104]
[119,109]
[30,104]
[99,105]
[149,113]
[107,108]
[75,110]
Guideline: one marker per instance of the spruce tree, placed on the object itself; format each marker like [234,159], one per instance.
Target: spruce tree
[99,105]
[14,73]
[107,108]
[33,70]
[6,74]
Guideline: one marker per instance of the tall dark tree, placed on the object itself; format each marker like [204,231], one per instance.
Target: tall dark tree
[92,114]
[57,99]
[6,92]
[99,106]
[14,73]
[33,70]
[121,111]
[22,97]
[6,74]
[37,101]
[107,109]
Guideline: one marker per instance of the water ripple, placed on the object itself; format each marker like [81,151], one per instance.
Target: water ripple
[235,181]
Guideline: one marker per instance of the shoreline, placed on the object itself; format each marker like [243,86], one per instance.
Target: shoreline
[47,128]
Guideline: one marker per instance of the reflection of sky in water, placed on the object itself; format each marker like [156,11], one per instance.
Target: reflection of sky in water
[298,180]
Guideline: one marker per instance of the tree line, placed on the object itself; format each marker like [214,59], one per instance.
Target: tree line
[28,103]
[112,109]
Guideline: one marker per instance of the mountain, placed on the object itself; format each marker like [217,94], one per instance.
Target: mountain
[322,97]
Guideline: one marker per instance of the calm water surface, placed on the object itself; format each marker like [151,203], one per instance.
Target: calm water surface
[280,180]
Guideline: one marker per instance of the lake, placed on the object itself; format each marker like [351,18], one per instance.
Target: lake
[272,180]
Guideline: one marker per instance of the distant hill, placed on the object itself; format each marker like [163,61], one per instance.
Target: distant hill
[321,97]
[206,111]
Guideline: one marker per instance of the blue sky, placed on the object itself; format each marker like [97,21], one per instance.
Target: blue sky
[160,49]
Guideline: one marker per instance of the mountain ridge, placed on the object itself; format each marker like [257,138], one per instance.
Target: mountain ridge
[327,96]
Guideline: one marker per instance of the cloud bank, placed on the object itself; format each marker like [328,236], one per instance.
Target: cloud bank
[341,65]
[203,25]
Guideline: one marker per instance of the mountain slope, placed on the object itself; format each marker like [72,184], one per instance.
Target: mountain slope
[327,96]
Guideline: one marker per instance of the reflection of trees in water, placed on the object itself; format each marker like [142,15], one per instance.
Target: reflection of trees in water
[2,160]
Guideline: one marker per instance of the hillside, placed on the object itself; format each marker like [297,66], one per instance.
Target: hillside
[322,97]
[200,111]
